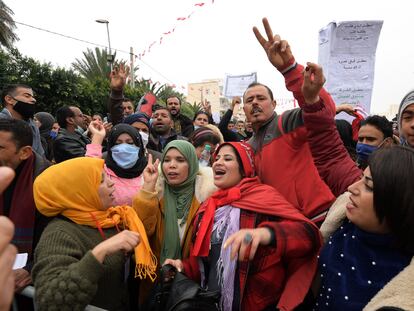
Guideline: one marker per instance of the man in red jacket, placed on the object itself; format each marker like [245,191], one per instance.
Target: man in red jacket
[283,158]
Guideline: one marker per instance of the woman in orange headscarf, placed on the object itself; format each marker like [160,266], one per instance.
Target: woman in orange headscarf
[82,254]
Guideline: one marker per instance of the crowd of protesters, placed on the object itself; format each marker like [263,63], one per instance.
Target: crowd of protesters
[296,211]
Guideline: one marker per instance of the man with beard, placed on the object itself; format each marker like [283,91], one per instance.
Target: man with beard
[182,124]
[162,132]
[19,104]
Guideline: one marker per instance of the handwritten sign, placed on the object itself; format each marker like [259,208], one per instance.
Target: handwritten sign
[236,85]
[284,104]
[347,55]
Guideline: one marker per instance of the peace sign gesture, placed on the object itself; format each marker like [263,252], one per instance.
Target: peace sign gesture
[150,174]
[206,106]
[277,50]
[118,77]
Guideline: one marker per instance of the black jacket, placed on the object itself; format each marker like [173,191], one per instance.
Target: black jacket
[185,127]
[69,145]
[154,142]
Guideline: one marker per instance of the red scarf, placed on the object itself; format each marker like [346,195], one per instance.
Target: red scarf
[251,195]
[22,210]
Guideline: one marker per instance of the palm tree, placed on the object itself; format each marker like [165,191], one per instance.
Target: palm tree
[147,86]
[7,26]
[94,65]
[195,107]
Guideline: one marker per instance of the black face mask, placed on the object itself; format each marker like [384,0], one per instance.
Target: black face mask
[26,110]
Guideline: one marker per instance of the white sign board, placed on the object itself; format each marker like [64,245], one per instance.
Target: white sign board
[347,55]
[236,85]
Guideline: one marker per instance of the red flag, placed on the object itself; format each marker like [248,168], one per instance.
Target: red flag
[181,19]
[146,102]
[199,4]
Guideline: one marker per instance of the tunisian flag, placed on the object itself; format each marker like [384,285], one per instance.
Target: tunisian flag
[145,104]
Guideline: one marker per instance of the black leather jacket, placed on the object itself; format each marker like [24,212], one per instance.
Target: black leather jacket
[69,145]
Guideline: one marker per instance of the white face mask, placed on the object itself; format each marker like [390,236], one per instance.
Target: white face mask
[144,137]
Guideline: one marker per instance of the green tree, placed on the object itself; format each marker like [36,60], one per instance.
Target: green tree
[195,107]
[7,26]
[94,65]
[53,87]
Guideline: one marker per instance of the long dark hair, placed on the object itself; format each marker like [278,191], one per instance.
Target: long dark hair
[392,171]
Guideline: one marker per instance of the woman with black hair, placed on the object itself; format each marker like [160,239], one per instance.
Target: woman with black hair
[125,159]
[201,118]
[369,234]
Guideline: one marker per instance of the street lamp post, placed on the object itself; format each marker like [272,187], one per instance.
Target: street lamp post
[110,57]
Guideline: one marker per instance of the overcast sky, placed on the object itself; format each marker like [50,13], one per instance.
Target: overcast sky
[217,38]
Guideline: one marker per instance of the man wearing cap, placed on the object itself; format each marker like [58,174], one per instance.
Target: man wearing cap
[140,121]
[406,120]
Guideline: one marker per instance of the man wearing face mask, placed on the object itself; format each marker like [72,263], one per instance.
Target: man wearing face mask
[19,103]
[375,132]
[69,143]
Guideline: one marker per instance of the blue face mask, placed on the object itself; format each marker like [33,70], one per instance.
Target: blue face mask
[364,151]
[125,155]
[53,134]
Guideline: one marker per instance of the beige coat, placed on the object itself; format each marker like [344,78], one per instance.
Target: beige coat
[150,209]
[399,292]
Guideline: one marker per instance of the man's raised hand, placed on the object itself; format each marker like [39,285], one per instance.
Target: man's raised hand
[278,51]
[312,83]
[118,77]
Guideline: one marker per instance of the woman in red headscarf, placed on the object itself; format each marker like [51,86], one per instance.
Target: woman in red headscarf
[251,244]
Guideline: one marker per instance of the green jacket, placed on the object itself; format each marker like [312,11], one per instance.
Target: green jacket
[68,277]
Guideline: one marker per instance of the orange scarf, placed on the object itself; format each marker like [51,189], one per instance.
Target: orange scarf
[70,189]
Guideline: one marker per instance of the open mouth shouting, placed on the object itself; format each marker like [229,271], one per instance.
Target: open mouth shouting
[219,173]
